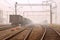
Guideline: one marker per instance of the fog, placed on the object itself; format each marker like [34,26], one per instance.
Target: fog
[7,8]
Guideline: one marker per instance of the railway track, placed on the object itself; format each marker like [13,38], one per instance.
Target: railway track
[10,33]
[50,34]
[6,27]
[43,33]
[35,32]
[22,35]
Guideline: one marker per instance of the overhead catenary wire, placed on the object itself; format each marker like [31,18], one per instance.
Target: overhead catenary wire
[8,3]
[30,4]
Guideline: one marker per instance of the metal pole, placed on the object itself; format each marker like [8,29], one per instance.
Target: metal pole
[56,17]
[50,14]
[16,8]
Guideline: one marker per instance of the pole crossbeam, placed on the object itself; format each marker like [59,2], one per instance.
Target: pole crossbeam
[36,5]
[33,4]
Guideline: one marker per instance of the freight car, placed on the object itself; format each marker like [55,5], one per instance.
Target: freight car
[18,19]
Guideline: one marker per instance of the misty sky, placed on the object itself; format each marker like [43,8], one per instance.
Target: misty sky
[11,3]
[7,5]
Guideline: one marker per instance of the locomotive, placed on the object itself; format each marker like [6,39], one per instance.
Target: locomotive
[18,19]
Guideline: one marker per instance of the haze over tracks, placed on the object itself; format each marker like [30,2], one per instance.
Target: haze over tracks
[51,34]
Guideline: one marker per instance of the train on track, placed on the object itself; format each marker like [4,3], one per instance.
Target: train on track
[18,19]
